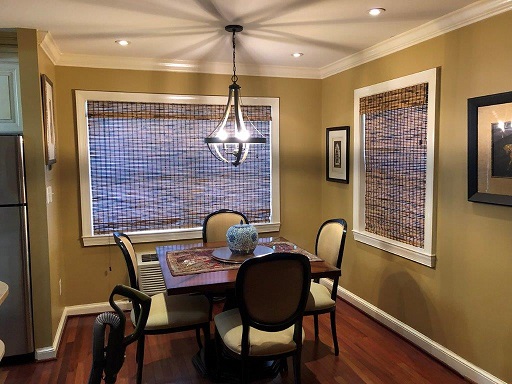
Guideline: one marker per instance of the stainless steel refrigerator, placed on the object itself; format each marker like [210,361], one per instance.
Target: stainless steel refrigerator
[16,329]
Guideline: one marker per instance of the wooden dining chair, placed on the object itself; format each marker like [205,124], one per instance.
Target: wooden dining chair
[168,314]
[217,223]
[330,243]
[108,352]
[271,293]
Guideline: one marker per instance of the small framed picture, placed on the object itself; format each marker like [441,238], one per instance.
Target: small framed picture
[337,145]
[49,120]
[490,149]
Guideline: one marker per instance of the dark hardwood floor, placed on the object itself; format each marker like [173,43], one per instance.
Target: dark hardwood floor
[369,353]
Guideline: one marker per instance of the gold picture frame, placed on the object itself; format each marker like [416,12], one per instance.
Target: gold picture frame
[49,120]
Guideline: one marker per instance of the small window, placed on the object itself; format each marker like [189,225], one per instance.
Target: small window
[145,169]
[394,166]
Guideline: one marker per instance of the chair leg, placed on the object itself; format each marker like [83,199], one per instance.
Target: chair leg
[296,367]
[284,364]
[207,345]
[140,358]
[218,351]
[315,318]
[198,338]
[244,377]
[334,337]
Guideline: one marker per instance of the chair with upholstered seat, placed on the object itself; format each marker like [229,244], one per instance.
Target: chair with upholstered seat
[330,243]
[217,223]
[271,293]
[168,314]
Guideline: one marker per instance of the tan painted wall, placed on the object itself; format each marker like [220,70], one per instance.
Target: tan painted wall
[86,275]
[48,68]
[464,304]
[35,173]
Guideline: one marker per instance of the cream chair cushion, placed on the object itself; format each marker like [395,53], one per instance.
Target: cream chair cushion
[319,298]
[329,240]
[176,311]
[229,325]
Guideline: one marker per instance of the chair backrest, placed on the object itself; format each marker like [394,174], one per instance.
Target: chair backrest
[216,224]
[272,291]
[107,359]
[124,242]
[330,241]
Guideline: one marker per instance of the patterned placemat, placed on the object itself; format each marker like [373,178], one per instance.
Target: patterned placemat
[198,260]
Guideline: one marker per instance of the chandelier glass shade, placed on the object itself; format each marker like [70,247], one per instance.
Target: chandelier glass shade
[232,137]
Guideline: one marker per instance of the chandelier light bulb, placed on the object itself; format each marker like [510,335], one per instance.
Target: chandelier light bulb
[223,135]
[243,135]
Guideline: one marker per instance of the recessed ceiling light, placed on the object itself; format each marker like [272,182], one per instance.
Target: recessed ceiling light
[124,43]
[297,54]
[376,11]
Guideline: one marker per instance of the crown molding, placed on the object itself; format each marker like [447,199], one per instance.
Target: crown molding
[149,64]
[457,19]
[49,46]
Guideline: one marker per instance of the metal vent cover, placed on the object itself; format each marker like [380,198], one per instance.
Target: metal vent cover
[151,280]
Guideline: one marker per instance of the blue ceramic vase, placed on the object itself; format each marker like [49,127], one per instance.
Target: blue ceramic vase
[242,239]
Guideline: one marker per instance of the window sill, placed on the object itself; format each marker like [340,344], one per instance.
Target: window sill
[158,236]
[412,253]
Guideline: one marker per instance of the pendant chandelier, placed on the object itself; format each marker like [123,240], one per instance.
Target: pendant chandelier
[231,138]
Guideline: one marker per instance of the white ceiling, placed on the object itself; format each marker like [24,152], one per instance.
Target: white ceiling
[192,31]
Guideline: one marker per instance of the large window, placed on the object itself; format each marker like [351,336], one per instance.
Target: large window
[394,166]
[145,169]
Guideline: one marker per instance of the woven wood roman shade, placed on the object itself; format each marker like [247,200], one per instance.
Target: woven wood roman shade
[395,153]
[135,110]
[150,169]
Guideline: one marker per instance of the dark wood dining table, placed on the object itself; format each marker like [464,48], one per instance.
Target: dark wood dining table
[218,281]
[221,282]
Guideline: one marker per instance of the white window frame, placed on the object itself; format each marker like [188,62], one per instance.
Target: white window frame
[425,255]
[81,98]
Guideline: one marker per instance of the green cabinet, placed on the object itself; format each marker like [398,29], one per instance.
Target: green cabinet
[10,106]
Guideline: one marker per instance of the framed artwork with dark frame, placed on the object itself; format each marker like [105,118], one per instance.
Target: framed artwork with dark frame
[490,149]
[337,154]
[49,120]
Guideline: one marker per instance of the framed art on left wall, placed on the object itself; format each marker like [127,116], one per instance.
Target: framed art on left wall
[49,120]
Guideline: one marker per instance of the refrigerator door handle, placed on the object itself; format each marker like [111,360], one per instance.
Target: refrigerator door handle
[21,170]
[26,271]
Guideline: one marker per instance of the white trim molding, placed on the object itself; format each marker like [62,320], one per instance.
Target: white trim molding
[47,353]
[424,254]
[460,18]
[177,234]
[451,359]
[57,57]
[468,15]
[49,46]
[81,98]
[417,255]
[443,354]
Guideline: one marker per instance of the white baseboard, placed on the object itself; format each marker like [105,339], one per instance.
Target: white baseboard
[47,353]
[451,359]
[454,361]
